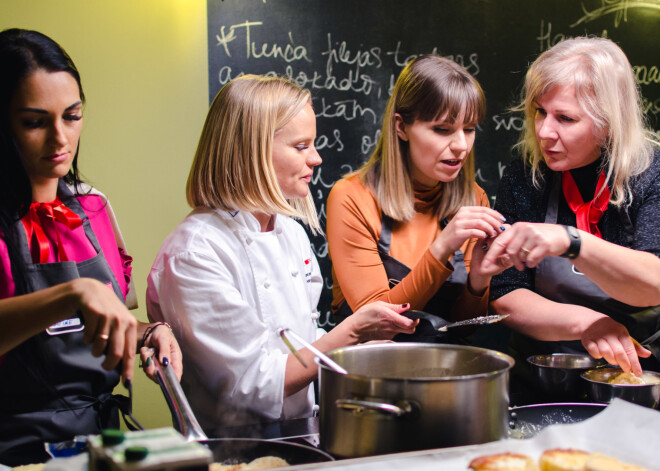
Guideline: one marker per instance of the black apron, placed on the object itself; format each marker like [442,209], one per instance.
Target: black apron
[440,304]
[52,387]
[558,280]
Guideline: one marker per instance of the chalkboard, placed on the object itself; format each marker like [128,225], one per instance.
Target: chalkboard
[349,53]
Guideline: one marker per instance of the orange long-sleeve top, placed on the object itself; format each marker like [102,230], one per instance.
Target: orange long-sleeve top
[353,230]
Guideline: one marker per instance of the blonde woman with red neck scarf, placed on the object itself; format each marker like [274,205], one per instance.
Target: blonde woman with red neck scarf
[585,208]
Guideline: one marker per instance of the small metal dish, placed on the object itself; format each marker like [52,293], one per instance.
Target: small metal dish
[558,375]
[599,389]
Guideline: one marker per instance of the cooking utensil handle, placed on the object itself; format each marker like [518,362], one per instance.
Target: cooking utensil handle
[436,321]
[319,354]
[358,405]
[183,418]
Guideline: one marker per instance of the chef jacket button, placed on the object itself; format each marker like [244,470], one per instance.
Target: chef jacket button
[278,230]
[294,273]
[315,409]
[315,316]
[248,240]
[266,285]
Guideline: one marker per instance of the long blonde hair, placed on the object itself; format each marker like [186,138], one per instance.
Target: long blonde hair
[233,168]
[427,88]
[606,90]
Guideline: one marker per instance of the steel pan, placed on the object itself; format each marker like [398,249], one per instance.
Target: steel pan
[527,421]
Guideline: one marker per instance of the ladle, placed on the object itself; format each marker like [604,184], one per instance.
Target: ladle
[319,354]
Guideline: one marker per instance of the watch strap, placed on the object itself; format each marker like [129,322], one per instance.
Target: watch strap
[575,243]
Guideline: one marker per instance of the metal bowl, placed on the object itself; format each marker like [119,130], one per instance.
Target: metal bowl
[600,390]
[557,375]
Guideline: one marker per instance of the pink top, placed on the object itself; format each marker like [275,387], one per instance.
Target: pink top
[76,244]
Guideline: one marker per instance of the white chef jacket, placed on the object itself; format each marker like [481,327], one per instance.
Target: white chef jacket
[225,287]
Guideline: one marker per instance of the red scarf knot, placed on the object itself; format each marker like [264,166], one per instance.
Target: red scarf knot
[587,214]
[56,211]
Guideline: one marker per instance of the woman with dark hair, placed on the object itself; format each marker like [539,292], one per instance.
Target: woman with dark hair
[64,275]
[403,228]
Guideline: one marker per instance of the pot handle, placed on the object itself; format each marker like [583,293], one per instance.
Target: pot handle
[356,405]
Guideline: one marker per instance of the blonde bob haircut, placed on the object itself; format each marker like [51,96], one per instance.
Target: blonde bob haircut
[233,168]
[606,90]
[429,88]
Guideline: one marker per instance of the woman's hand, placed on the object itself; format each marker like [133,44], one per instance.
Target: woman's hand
[109,326]
[380,321]
[610,340]
[526,244]
[161,340]
[480,272]
[470,222]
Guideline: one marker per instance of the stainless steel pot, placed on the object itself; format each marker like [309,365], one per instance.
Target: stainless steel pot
[412,396]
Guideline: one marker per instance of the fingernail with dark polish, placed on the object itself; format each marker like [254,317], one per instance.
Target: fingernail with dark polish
[484,247]
[127,383]
[148,362]
[405,306]
[166,361]
[502,228]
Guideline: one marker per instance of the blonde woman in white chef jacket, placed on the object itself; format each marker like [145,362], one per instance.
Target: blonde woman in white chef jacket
[239,267]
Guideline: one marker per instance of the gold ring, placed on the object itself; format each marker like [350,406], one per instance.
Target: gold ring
[104,336]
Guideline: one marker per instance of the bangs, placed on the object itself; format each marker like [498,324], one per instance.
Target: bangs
[460,94]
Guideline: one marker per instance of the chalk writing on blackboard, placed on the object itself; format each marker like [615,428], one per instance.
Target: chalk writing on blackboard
[348,54]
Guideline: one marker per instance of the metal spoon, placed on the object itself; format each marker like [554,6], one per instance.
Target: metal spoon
[475,321]
[319,354]
[441,325]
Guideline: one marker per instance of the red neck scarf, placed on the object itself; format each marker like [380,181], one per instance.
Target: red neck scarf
[587,214]
[56,211]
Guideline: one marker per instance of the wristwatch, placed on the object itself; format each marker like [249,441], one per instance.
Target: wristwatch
[574,247]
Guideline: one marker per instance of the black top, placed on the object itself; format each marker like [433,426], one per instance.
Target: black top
[518,200]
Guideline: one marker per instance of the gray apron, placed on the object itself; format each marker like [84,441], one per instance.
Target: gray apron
[52,387]
[440,304]
[558,280]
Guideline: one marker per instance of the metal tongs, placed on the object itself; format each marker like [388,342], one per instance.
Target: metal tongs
[319,354]
[183,418]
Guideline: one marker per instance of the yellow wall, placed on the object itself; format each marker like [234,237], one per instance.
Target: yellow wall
[144,70]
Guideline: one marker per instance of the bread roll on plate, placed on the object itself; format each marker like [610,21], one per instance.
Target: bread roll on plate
[504,461]
[563,460]
[600,462]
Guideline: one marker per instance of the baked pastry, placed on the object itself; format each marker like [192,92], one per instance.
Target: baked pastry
[600,462]
[504,462]
[563,460]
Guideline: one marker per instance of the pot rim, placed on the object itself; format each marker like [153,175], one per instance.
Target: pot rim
[533,360]
[406,345]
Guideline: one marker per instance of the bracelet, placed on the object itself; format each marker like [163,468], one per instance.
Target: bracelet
[575,242]
[147,333]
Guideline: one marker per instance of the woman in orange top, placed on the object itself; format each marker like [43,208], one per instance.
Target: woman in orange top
[403,227]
